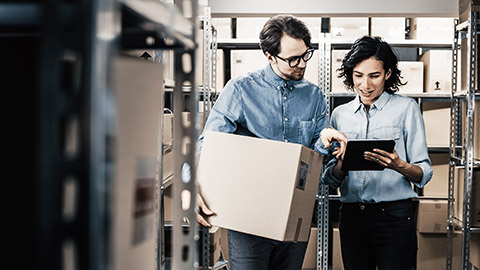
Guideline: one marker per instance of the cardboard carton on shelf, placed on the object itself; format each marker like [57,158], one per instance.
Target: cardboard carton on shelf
[438,70]
[438,185]
[459,189]
[432,250]
[436,116]
[258,186]
[432,216]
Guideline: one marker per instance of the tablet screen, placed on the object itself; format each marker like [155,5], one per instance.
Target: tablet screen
[354,160]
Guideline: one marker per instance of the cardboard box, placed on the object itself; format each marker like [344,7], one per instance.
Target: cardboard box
[438,185]
[436,116]
[249,28]
[432,251]
[432,216]
[138,86]
[223,27]
[390,29]
[314,25]
[465,7]
[310,259]
[337,263]
[459,193]
[412,73]
[476,128]
[348,29]
[276,183]
[438,70]
[244,61]
[431,28]
[337,85]
[475,249]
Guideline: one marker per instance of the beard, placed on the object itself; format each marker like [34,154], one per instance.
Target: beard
[296,75]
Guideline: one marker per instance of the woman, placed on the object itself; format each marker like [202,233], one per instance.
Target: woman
[377,227]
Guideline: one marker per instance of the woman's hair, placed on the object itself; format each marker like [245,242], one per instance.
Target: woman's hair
[364,48]
[274,29]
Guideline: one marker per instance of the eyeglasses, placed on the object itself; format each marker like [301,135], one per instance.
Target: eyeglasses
[295,61]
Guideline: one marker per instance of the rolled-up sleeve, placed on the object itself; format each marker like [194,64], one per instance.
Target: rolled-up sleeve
[416,143]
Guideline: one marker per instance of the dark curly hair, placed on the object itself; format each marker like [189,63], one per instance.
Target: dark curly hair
[274,28]
[364,48]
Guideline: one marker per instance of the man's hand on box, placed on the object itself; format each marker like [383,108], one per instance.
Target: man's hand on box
[203,212]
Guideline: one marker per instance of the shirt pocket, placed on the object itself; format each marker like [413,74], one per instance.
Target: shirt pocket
[351,135]
[386,133]
[305,132]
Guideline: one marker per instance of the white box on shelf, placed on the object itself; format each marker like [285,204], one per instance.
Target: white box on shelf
[336,84]
[348,29]
[223,27]
[412,73]
[431,28]
[244,61]
[438,70]
[249,28]
[390,29]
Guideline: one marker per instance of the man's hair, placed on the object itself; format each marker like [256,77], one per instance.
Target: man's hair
[364,48]
[274,29]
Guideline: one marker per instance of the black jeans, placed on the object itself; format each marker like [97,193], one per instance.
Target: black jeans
[250,252]
[378,235]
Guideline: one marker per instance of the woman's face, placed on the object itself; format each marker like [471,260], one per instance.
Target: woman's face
[369,79]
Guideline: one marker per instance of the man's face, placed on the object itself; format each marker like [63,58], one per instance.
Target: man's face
[289,49]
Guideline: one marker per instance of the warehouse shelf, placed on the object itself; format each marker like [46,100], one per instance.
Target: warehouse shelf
[463,94]
[467,30]
[254,43]
[142,20]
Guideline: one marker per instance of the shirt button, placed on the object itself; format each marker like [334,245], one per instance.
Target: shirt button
[286,140]
[286,119]
[284,97]
[362,207]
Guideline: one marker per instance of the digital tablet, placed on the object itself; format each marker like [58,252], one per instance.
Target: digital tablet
[353,159]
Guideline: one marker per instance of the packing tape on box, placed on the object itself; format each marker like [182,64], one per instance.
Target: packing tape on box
[297,230]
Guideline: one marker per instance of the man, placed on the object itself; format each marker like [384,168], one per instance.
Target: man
[275,103]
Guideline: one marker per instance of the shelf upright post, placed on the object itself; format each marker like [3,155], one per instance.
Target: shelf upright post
[74,103]
[454,115]
[324,47]
[469,129]
[185,238]
[207,57]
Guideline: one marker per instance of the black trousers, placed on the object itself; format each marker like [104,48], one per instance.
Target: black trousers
[378,235]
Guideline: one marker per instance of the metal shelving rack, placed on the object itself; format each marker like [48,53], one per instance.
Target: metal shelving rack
[74,100]
[470,27]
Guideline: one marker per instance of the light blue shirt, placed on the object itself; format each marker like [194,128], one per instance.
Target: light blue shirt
[262,104]
[390,117]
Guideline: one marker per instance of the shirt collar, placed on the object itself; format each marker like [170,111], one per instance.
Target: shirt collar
[379,103]
[276,80]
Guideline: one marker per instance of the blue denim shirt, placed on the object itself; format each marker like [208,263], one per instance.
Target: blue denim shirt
[262,104]
[390,117]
